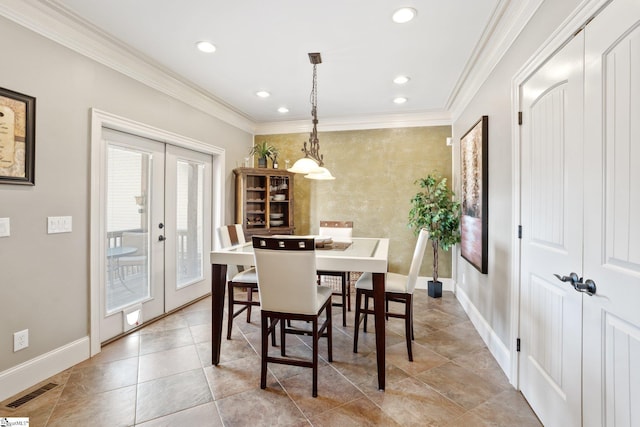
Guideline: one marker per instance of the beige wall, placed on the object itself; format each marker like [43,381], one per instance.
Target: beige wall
[44,279]
[491,293]
[375,172]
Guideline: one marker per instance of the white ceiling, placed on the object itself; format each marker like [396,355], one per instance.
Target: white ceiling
[263,45]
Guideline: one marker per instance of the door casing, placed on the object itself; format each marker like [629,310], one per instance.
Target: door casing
[587,10]
[100,120]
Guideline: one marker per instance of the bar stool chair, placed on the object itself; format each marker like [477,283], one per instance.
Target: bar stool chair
[338,280]
[398,288]
[286,270]
[238,277]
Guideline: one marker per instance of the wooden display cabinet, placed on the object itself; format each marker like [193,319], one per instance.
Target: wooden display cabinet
[264,201]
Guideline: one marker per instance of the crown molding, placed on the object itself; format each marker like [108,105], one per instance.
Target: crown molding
[433,118]
[51,20]
[508,20]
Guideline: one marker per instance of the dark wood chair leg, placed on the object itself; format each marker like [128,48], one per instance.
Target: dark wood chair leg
[366,308]
[344,299]
[314,392]
[274,322]
[229,309]
[265,342]
[329,334]
[283,335]
[249,298]
[356,323]
[348,285]
[413,337]
[408,324]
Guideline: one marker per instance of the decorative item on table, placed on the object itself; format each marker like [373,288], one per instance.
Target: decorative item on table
[434,209]
[263,151]
[323,242]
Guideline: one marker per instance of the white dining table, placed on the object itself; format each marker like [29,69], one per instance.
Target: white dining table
[362,254]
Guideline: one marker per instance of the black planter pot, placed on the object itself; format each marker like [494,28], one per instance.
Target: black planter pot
[434,289]
[262,162]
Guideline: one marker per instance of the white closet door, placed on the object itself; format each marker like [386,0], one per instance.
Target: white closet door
[611,373]
[551,310]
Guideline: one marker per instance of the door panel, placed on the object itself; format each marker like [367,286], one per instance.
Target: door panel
[611,351]
[550,331]
[132,283]
[188,227]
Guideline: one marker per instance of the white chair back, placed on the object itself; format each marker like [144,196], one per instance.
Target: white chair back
[416,261]
[232,235]
[286,269]
[337,230]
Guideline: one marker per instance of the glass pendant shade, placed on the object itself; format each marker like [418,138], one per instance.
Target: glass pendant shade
[322,175]
[305,165]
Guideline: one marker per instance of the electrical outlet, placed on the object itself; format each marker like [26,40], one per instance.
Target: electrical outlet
[20,340]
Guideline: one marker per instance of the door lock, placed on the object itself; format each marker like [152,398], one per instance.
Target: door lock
[588,287]
[161,238]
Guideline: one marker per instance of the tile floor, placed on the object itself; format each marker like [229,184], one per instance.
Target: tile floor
[162,375]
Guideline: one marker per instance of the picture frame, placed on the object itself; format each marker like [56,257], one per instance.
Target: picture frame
[17,138]
[474,171]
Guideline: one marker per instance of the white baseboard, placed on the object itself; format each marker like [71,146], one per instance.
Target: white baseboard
[495,345]
[31,372]
[447,283]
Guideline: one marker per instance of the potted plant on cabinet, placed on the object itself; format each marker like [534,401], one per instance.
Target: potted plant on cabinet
[434,208]
[263,151]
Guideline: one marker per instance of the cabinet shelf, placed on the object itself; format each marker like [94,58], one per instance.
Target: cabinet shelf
[255,207]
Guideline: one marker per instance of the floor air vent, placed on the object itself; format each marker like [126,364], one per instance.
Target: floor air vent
[30,396]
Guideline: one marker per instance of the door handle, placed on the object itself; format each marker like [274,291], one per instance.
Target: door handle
[588,287]
[161,238]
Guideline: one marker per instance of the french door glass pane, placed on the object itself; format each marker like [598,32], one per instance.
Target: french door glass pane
[189,215]
[127,274]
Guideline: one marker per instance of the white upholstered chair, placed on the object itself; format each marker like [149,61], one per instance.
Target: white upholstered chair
[238,277]
[286,268]
[339,281]
[398,288]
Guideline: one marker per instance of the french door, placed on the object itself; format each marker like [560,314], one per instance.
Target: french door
[157,230]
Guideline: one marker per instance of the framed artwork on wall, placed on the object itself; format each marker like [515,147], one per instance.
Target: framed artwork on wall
[17,137]
[474,156]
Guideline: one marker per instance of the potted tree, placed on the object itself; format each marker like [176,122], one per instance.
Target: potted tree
[263,151]
[435,209]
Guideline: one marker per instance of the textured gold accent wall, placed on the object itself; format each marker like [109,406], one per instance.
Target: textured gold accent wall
[375,172]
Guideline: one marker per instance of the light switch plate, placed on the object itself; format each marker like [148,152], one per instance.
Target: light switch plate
[5,227]
[59,224]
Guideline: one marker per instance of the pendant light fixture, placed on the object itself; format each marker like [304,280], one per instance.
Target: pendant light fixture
[312,164]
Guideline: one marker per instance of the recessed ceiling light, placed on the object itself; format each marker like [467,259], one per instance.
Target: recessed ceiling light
[283,110]
[400,100]
[400,80]
[263,94]
[404,14]
[205,46]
